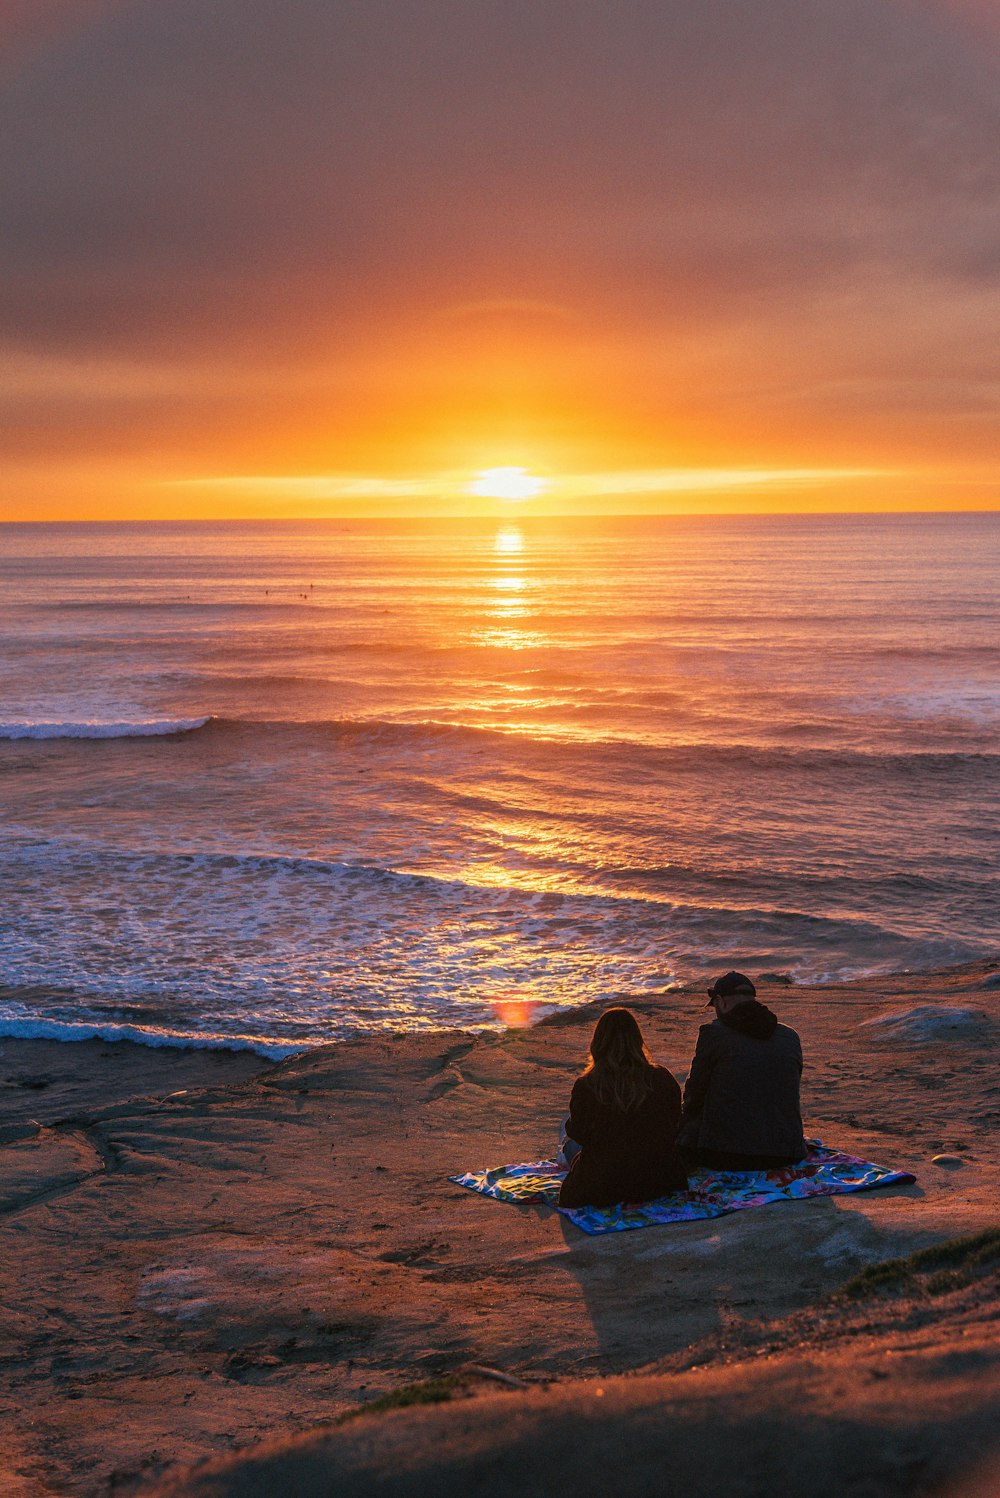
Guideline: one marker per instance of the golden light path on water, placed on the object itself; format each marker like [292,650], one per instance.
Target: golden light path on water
[509,541]
[511,600]
[509,607]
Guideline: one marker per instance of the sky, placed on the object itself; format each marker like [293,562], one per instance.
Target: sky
[309,257]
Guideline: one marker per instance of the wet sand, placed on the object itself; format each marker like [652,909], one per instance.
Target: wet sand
[204,1251]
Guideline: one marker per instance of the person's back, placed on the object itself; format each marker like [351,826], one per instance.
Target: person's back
[627,1156]
[741,1100]
[624,1113]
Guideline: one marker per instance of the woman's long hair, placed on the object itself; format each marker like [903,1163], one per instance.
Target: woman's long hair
[620,1067]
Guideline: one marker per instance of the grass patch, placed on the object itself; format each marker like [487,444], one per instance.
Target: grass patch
[948,1266]
[888,1275]
[945,1280]
[427,1391]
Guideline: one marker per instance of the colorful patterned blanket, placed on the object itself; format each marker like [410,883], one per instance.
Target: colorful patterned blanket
[711,1193]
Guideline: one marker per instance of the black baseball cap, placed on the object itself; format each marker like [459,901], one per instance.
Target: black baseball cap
[731,983]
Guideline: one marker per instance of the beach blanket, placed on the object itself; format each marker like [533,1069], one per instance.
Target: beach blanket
[711,1193]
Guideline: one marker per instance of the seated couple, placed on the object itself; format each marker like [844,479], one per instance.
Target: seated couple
[631,1138]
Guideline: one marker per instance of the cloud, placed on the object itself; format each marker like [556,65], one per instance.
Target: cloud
[337,486]
[691,200]
[27,26]
[176,145]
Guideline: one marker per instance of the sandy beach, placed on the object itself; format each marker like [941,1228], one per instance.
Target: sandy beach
[205,1251]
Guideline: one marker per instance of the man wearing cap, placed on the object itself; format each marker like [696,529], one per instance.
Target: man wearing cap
[741,1099]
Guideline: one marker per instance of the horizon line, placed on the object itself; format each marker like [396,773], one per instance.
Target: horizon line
[516,517]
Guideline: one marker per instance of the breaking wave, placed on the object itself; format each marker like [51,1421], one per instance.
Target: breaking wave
[145,729]
[51,1029]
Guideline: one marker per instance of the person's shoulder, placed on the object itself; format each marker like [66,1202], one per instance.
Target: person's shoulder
[583,1100]
[711,1031]
[665,1084]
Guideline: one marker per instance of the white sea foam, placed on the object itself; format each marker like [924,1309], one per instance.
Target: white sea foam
[973,701]
[148,728]
[51,1029]
[280,954]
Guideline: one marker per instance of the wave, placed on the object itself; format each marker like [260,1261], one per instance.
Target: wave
[277,954]
[691,899]
[64,1030]
[118,605]
[693,753]
[107,861]
[145,729]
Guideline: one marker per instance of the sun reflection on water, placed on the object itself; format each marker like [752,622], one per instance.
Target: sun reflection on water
[510,582]
[509,541]
[509,598]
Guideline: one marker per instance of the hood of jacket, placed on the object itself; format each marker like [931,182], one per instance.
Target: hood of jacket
[752,1019]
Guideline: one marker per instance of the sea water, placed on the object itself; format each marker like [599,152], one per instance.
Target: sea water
[271,784]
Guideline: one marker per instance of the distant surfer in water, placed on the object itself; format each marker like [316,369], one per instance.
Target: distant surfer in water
[741,1098]
[624,1113]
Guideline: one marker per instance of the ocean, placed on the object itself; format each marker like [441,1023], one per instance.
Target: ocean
[271,784]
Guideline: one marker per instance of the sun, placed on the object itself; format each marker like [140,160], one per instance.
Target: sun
[506,483]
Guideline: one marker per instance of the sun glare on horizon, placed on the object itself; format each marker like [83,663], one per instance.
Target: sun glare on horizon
[506,483]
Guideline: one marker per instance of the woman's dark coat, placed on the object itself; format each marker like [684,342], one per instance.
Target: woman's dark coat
[625,1156]
[742,1093]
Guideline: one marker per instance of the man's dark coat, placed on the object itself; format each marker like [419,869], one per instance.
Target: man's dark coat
[742,1094]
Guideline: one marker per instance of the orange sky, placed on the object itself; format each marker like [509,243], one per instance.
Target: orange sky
[267,258]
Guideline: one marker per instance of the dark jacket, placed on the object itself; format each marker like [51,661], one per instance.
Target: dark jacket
[625,1157]
[742,1093]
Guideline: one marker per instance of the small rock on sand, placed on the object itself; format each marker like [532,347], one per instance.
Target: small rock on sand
[947,1162]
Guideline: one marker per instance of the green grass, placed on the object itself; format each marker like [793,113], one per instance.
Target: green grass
[945,1280]
[427,1391]
[948,1266]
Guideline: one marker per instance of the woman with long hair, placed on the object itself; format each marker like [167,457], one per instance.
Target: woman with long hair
[624,1114]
